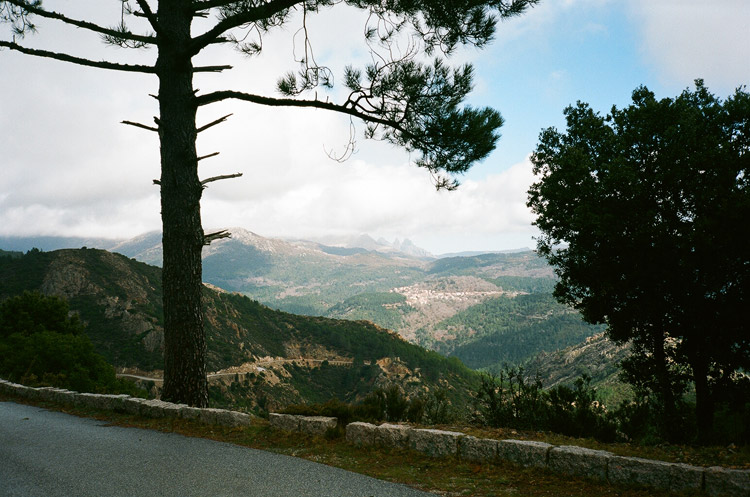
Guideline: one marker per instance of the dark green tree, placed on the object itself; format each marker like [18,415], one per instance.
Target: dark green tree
[41,344]
[643,214]
[416,105]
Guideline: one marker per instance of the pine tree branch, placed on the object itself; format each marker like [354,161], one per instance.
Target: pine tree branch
[213,123]
[211,4]
[218,96]
[247,16]
[207,239]
[149,14]
[78,60]
[208,156]
[218,178]
[150,40]
[139,125]
[211,68]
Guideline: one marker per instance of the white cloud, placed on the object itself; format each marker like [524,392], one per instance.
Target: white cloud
[689,39]
[390,201]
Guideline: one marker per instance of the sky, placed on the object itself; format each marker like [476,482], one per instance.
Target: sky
[70,168]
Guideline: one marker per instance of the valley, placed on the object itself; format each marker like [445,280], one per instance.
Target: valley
[486,309]
[283,305]
[264,359]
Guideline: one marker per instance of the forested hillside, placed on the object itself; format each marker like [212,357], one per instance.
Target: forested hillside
[486,309]
[119,301]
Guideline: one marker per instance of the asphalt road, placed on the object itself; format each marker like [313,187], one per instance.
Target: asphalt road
[48,453]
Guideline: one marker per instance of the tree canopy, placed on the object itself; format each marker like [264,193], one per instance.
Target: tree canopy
[643,213]
[41,344]
[401,97]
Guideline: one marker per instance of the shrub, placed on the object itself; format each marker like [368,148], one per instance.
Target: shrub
[510,400]
[41,345]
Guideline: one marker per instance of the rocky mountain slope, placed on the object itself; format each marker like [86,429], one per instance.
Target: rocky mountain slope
[597,356]
[486,309]
[261,357]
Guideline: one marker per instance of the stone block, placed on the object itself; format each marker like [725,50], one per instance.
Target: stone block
[359,433]
[233,419]
[97,401]
[85,400]
[723,482]
[133,405]
[119,402]
[579,461]
[524,452]
[108,402]
[153,408]
[638,471]
[21,390]
[316,425]
[46,393]
[31,393]
[483,450]
[285,422]
[65,396]
[684,477]
[170,410]
[187,412]
[392,435]
[435,443]
[209,416]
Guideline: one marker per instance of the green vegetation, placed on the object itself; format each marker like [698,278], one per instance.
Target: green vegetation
[119,300]
[443,476]
[40,344]
[387,309]
[512,401]
[642,214]
[509,264]
[10,254]
[525,284]
[380,405]
[308,285]
[512,330]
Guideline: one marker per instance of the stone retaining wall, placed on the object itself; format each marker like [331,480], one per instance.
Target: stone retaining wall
[131,405]
[578,461]
[604,466]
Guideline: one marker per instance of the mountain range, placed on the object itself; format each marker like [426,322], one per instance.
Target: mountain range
[485,309]
[259,357]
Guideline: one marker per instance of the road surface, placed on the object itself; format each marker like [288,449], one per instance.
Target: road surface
[48,453]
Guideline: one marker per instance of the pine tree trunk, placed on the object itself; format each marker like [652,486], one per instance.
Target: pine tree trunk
[184,338]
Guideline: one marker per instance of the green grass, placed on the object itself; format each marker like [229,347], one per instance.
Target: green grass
[445,476]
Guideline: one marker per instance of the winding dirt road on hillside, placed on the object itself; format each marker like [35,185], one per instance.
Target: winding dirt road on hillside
[247,368]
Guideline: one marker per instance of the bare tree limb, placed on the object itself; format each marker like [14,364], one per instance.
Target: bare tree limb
[150,40]
[214,154]
[139,125]
[217,178]
[218,96]
[149,14]
[78,60]
[210,4]
[207,239]
[211,68]
[214,123]
[157,182]
[249,15]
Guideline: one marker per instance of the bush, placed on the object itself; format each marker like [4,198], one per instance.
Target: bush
[389,404]
[41,345]
[512,401]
